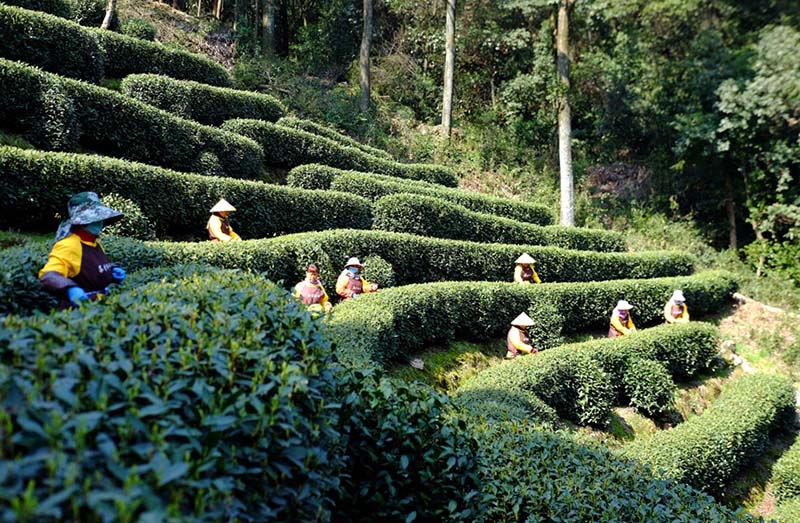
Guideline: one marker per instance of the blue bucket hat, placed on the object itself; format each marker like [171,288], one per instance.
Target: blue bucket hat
[85,208]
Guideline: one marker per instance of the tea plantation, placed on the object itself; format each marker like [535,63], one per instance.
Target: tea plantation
[200,390]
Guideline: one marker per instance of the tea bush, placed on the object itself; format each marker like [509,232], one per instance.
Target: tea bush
[134,224]
[786,475]
[186,398]
[139,28]
[649,386]
[39,184]
[288,147]
[199,102]
[427,216]
[788,512]
[377,270]
[711,449]
[50,42]
[60,8]
[115,125]
[374,186]
[332,134]
[400,321]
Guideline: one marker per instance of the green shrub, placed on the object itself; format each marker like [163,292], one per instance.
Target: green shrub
[400,321]
[203,103]
[57,127]
[549,324]
[287,147]
[377,270]
[529,474]
[50,42]
[39,184]
[505,404]
[115,125]
[148,406]
[332,134]
[427,216]
[60,8]
[139,28]
[373,186]
[134,224]
[90,13]
[710,450]
[788,512]
[649,386]
[786,475]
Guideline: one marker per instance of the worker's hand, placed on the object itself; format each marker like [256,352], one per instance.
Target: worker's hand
[118,273]
[76,295]
[354,295]
[373,287]
[328,306]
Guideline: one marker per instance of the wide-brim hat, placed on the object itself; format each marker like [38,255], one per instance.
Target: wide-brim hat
[353,262]
[678,297]
[85,208]
[525,259]
[222,206]
[523,320]
[623,305]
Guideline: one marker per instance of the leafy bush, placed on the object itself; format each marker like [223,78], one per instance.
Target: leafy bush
[549,324]
[504,404]
[377,270]
[50,42]
[709,450]
[57,127]
[649,386]
[40,183]
[789,511]
[327,132]
[19,280]
[134,224]
[90,13]
[287,147]
[148,406]
[400,321]
[60,8]
[786,475]
[203,103]
[437,217]
[374,186]
[139,28]
[115,125]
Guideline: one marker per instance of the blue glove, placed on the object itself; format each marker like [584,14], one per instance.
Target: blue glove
[118,273]
[76,295]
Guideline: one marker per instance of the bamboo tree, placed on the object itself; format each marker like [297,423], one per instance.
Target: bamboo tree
[449,66]
[366,36]
[565,115]
[111,7]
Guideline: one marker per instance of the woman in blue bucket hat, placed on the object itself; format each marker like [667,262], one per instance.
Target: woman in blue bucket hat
[77,268]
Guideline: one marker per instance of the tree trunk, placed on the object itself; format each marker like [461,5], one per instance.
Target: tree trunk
[449,66]
[199,8]
[111,7]
[268,27]
[218,9]
[565,116]
[366,36]
[730,211]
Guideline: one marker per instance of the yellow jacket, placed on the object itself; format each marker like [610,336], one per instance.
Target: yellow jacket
[518,275]
[215,230]
[683,318]
[514,338]
[343,284]
[317,296]
[616,322]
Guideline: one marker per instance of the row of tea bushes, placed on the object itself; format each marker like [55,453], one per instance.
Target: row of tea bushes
[332,134]
[428,216]
[38,185]
[64,47]
[289,147]
[709,450]
[400,321]
[374,186]
[202,103]
[582,381]
[786,484]
[59,113]
[60,8]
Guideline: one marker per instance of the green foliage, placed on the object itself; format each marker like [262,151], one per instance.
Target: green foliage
[90,13]
[50,42]
[203,103]
[332,134]
[427,216]
[395,322]
[649,386]
[149,407]
[710,450]
[377,270]
[40,183]
[115,125]
[288,147]
[788,512]
[20,279]
[139,28]
[134,224]
[786,475]
[60,8]
[57,127]
[549,324]
[374,186]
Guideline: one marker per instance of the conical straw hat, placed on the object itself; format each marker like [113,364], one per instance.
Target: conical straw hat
[523,320]
[223,206]
[525,258]
[677,296]
[623,305]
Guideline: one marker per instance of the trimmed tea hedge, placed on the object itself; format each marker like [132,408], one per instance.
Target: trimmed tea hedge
[199,102]
[106,121]
[581,381]
[789,511]
[528,474]
[374,186]
[60,8]
[287,147]
[786,475]
[50,42]
[399,321]
[38,185]
[327,132]
[709,450]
